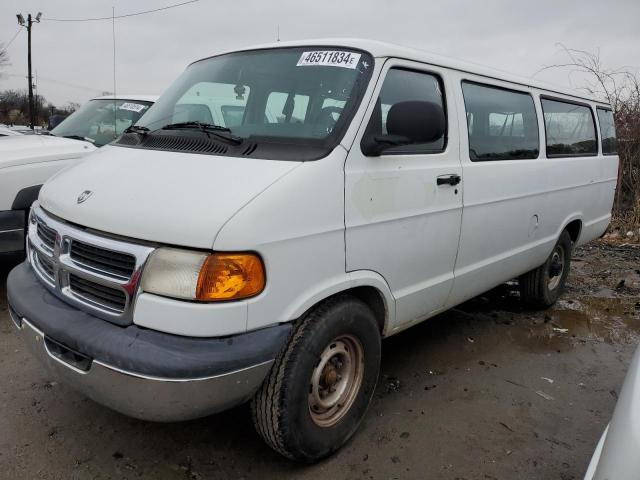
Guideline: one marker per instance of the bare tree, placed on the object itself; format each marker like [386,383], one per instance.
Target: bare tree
[621,89]
[4,58]
[618,86]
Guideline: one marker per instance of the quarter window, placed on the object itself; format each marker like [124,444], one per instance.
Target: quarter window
[569,128]
[403,86]
[502,124]
[607,131]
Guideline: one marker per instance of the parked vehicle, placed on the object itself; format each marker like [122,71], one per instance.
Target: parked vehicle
[6,132]
[26,161]
[615,454]
[26,130]
[190,266]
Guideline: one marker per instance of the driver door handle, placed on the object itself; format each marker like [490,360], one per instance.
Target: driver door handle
[451,179]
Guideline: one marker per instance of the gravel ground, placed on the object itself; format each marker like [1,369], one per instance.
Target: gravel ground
[485,391]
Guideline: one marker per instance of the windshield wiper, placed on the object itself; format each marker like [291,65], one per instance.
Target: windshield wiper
[79,137]
[137,129]
[219,131]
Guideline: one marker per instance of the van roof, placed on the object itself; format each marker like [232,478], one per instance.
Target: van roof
[139,98]
[384,49]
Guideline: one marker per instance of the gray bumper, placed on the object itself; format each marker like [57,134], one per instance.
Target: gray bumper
[142,373]
[11,231]
[145,397]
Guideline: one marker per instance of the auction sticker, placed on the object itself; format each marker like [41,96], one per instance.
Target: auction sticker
[329,58]
[132,107]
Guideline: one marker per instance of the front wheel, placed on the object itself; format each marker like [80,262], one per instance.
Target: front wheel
[320,386]
[541,287]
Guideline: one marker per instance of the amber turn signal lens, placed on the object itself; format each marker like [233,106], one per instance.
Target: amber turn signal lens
[230,277]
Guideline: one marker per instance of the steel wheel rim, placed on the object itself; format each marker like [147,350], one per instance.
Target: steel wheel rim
[336,380]
[556,267]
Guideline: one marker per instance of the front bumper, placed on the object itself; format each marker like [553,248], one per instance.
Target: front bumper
[142,373]
[12,231]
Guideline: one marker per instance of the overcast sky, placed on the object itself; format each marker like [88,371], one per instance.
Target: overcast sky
[74,60]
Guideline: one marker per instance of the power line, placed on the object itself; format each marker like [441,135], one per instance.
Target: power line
[59,82]
[118,16]
[6,46]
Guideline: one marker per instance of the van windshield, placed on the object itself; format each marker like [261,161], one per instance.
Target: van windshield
[101,121]
[284,96]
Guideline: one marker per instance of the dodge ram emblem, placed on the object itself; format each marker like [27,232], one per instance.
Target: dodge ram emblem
[84,195]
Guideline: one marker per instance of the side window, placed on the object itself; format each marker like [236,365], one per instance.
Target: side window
[570,129]
[404,86]
[502,124]
[607,131]
[286,108]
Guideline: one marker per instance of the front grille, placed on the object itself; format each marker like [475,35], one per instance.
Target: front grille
[98,294]
[47,235]
[94,273]
[46,265]
[103,261]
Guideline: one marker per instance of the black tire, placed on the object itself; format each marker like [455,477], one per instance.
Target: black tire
[540,288]
[281,409]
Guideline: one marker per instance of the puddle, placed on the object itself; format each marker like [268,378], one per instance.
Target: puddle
[592,319]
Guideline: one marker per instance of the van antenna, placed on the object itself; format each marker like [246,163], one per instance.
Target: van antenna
[278,34]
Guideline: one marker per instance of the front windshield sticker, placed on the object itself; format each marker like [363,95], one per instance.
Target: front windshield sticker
[132,107]
[329,58]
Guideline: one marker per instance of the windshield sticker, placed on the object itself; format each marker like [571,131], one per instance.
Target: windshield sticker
[329,58]
[132,107]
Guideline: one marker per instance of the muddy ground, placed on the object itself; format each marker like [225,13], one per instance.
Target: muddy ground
[485,391]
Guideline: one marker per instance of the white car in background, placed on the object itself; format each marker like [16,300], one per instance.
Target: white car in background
[7,132]
[27,161]
[616,455]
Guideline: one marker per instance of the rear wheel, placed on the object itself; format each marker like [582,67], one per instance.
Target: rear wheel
[320,386]
[541,287]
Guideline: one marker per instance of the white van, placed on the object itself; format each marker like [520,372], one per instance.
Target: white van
[190,266]
[27,161]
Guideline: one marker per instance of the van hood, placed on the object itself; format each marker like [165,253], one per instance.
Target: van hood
[173,198]
[26,149]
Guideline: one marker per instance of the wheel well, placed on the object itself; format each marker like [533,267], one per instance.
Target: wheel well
[26,197]
[574,229]
[374,300]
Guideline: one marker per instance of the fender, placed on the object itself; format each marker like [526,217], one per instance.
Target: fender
[25,198]
[570,218]
[359,278]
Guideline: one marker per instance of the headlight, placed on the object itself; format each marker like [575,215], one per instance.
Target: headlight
[203,277]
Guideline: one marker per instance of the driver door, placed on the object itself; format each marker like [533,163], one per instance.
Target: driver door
[403,209]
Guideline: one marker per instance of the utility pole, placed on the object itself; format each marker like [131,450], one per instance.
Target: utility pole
[29,24]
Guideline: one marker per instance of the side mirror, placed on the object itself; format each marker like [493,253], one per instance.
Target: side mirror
[407,122]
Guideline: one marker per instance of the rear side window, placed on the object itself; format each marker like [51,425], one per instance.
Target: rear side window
[570,129]
[607,131]
[502,124]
